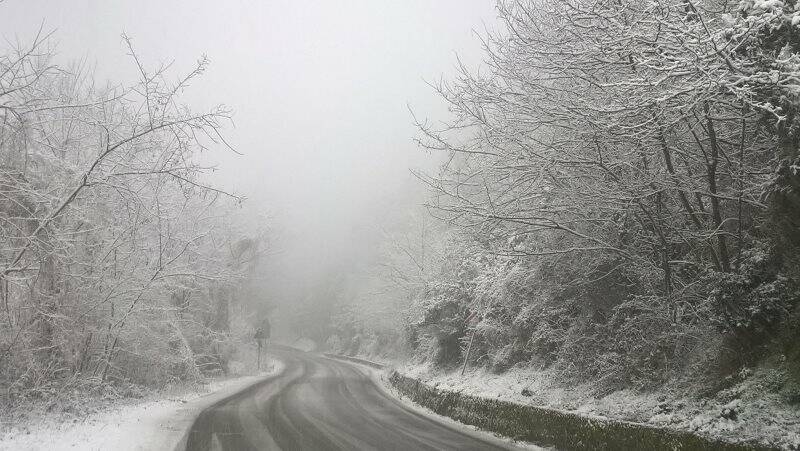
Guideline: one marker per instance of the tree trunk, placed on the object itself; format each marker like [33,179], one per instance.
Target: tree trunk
[716,214]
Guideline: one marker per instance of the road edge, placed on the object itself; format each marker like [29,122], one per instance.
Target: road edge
[192,412]
[378,373]
[552,427]
[544,426]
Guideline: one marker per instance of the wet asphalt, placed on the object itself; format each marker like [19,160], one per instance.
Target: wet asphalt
[317,403]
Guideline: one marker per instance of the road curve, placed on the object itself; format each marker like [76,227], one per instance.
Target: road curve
[321,404]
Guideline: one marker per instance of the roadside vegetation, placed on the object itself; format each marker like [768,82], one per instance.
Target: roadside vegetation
[619,204]
[119,266]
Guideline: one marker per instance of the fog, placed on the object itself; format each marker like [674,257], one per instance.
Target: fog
[600,214]
[320,91]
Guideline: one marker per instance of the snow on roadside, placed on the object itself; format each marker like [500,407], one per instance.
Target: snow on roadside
[743,412]
[304,344]
[127,424]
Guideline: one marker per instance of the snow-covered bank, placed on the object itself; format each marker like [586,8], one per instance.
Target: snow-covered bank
[159,421]
[362,361]
[744,412]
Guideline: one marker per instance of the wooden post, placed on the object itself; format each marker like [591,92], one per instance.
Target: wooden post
[259,354]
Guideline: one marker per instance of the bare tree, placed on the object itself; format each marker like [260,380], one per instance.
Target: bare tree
[105,220]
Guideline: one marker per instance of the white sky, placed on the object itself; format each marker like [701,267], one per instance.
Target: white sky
[319,87]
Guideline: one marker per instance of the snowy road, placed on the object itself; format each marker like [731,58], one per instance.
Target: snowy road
[322,404]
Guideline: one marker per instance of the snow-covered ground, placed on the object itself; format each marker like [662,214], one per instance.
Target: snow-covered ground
[159,421]
[743,412]
[303,344]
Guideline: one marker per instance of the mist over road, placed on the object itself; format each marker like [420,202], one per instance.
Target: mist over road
[322,404]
